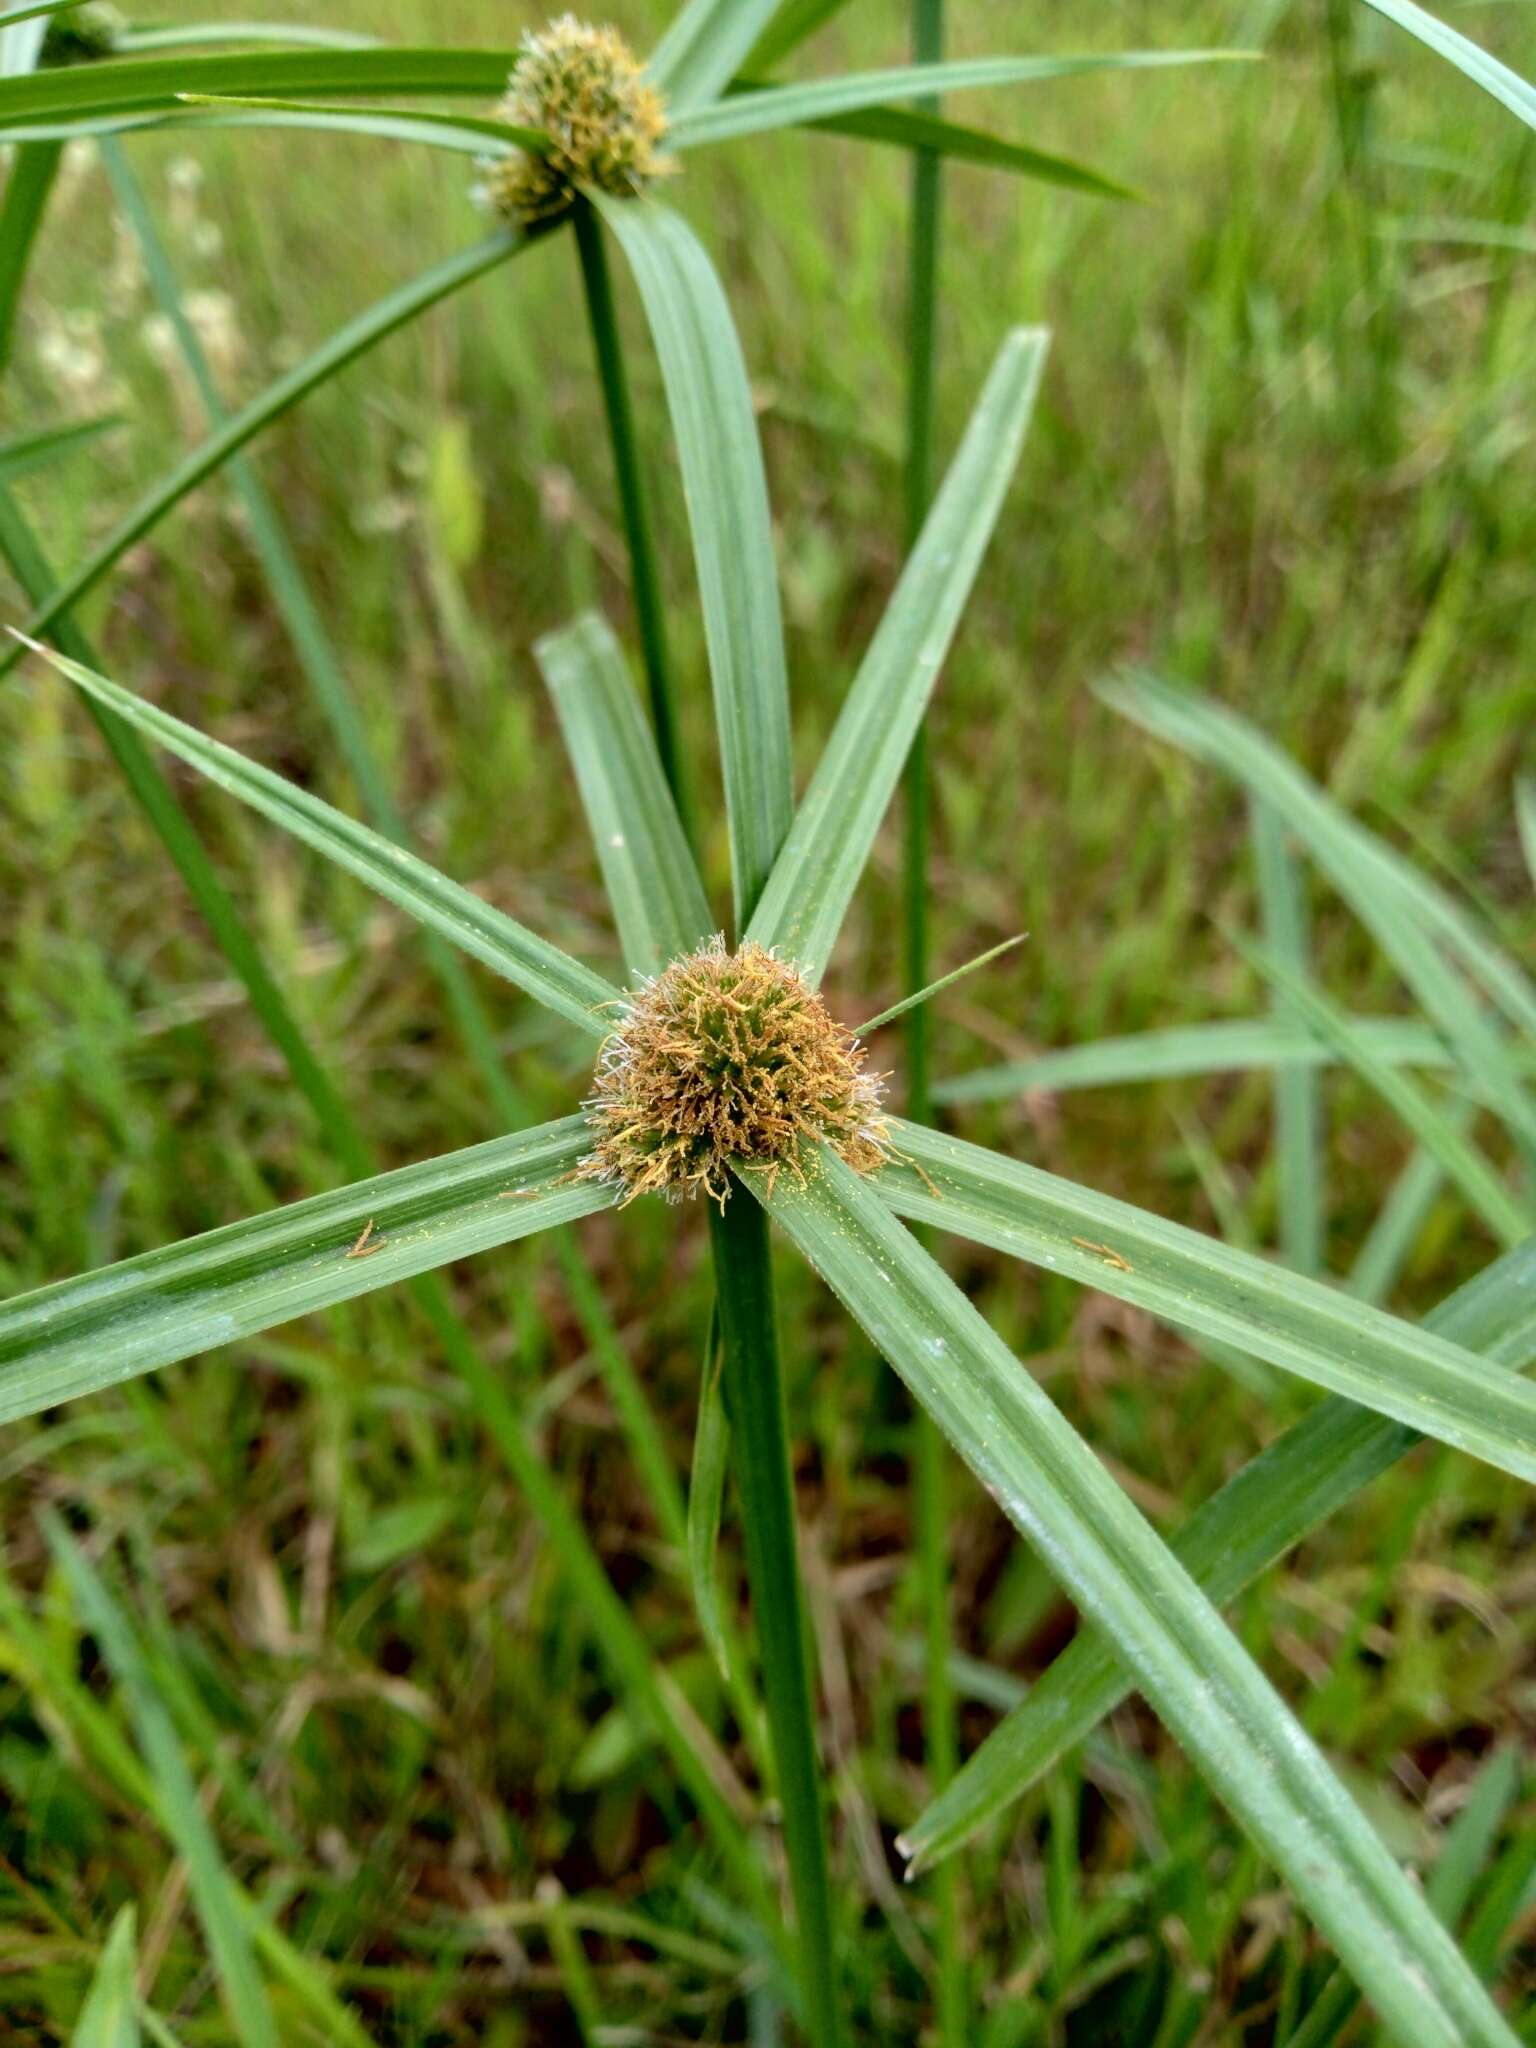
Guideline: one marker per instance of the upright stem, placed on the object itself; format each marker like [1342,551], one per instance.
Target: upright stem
[928,1454]
[760,1451]
[646,575]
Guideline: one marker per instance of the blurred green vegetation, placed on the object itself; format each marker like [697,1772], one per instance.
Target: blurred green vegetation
[1284,453]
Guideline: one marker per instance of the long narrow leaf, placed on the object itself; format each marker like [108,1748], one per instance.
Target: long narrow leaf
[705,46]
[1190,1665]
[1200,1284]
[477,131]
[77,1336]
[789,106]
[381,319]
[727,496]
[1299,1161]
[25,452]
[189,35]
[27,186]
[214,1897]
[1316,1468]
[1404,913]
[1470,60]
[906,128]
[816,873]
[1437,1132]
[793,23]
[653,883]
[1192,1050]
[401,877]
[1525,813]
[154,84]
[109,2016]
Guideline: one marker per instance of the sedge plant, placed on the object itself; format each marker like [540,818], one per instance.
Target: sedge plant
[93,69]
[812,1153]
[902,1168]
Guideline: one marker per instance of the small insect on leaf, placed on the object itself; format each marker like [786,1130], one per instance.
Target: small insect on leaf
[1107,1253]
[366,1244]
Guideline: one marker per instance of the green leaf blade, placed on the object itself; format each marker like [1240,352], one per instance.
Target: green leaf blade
[653,882]
[815,875]
[1192,1051]
[1472,61]
[394,310]
[109,2017]
[401,877]
[78,1336]
[792,106]
[1309,1473]
[705,44]
[1397,1368]
[154,84]
[1053,1488]
[727,497]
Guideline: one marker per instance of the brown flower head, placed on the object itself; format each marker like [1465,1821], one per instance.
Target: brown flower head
[727,1058]
[604,118]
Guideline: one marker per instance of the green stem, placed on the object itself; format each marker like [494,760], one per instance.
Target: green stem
[650,614]
[760,1450]
[928,1453]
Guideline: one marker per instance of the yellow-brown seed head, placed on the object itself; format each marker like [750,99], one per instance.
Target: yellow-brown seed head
[604,118]
[727,1058]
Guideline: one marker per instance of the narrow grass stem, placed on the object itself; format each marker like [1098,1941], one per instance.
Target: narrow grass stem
[650,616]
[928,1451]
[760,1452]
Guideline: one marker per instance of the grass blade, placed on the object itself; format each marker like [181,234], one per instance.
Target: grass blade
[190,34]
[1378,886]
[213,1896]
[399,876]
[727,496]
[815,875]
[27,452]
[462,130]
[1525,813]
[704,46]
[1506,86]
[907,128]
[1439,1134]
[933,988]
[1298,1100]
[154,796]
[154,84]
[706,1499]
[77,1336]
[27,186]
[383,318]
[1192,1051]
[1316,1468]
[794,21]
[790,106]
[1191,1666]
[1397,1368]
[109,2016]
[653,883]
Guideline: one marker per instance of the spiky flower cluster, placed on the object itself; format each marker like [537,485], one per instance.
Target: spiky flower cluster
[604,119]
[81,34]
[722,1058]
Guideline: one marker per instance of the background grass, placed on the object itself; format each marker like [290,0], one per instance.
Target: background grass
[1283,452]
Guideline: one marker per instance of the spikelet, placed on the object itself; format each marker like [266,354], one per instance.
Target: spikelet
[727,1058]
[604,118]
